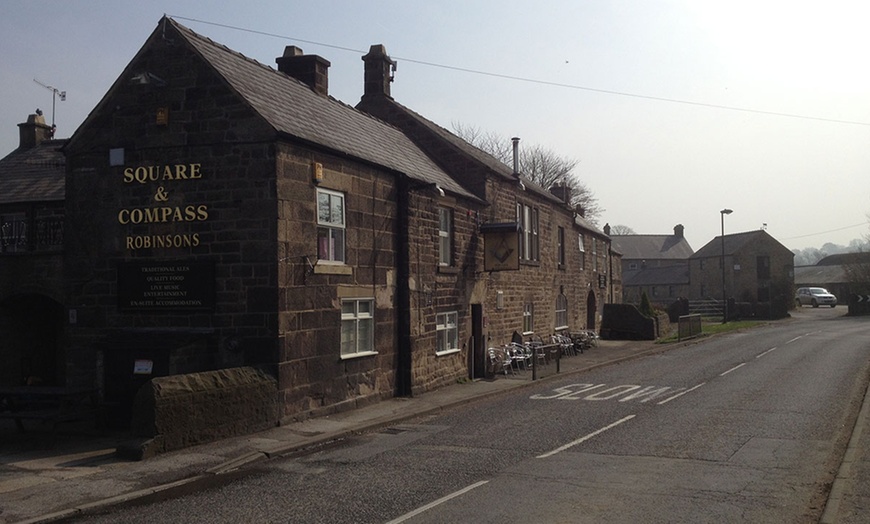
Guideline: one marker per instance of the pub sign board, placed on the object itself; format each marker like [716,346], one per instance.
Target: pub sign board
[166,286]
[501,246]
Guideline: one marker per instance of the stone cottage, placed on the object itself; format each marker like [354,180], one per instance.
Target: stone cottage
[758,272]
[226,220]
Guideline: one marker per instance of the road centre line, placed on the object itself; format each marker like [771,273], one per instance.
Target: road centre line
[766,352]
[585,438]
[738,366]
[438,502]
[802,336]
[680,394]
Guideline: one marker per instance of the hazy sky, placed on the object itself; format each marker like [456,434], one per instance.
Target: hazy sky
[674,109]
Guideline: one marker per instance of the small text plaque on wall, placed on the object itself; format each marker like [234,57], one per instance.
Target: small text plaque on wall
[166,286]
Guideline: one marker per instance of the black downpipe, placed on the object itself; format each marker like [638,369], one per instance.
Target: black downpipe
[403,293]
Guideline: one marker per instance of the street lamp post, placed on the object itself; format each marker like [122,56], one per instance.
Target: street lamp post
[724,297]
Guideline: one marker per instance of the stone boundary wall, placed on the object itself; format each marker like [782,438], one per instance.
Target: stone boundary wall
[626,322]
[178,411]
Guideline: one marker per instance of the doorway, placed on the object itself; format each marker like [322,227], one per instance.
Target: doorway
[477,351]
[591,311]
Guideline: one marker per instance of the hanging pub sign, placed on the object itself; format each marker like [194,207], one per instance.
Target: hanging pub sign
[166,286]
[501,246]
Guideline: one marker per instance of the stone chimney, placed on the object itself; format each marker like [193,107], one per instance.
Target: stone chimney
[379,68]
[607,229]
[34,131]
[678,230]
[561,191]
[312,70]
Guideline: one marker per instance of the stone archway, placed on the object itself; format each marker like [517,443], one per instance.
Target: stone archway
[591,311]
[31,326]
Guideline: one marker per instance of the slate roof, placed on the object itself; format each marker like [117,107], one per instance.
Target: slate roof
[494,165]
[295,111]
[33,175]
[657,276]
[652,247]
[487,160]
[844,258]
[819,275]
[292,108]
[829,270]
[733,243]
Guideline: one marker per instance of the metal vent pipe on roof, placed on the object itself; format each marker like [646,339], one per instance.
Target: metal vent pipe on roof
[516,142]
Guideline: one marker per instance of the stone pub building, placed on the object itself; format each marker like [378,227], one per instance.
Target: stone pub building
[241,249]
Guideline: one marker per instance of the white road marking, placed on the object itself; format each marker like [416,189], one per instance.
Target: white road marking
[628,392]
[802,336]
[680,394]
[611,392]
[575,395]
[565,390]
[650,392]
[738,366]
[587,437]
[438,502]
[766,352]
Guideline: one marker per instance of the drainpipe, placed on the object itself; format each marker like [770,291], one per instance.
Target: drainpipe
[403,291]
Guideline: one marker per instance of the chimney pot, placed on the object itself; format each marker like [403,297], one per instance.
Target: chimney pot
[312,70]
[378,72]
[34,131]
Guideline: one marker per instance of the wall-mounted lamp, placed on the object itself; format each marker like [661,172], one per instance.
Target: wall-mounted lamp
[317,172]
[440,191]
[146,78]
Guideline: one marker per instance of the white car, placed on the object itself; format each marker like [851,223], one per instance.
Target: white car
[814,296]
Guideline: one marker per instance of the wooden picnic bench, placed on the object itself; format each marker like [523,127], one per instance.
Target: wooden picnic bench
[49,404]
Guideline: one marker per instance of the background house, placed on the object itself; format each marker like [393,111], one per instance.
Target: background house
[758,272]
[655,264]
[833,273]
[31,240]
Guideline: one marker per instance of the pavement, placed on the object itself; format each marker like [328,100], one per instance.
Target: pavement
[48,476]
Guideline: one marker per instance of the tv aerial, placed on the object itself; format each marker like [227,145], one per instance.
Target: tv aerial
[55,94]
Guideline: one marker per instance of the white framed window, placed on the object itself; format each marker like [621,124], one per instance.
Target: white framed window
[13,233]
[536,246]
[561,312]
[528,318]
[582,243]
[357,327]
[527,217]
[446,332]
[560,246]
[594,254]
[445,236]
[330,226]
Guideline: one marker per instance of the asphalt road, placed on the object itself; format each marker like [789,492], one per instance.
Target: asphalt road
[748,427]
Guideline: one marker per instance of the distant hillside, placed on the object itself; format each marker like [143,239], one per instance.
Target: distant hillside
[809,256]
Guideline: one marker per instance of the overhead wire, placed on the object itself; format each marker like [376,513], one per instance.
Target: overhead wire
[826,232]
[538,81]
[552,84]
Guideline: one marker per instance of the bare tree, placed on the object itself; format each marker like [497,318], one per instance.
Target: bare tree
[541,165]
[621,230]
